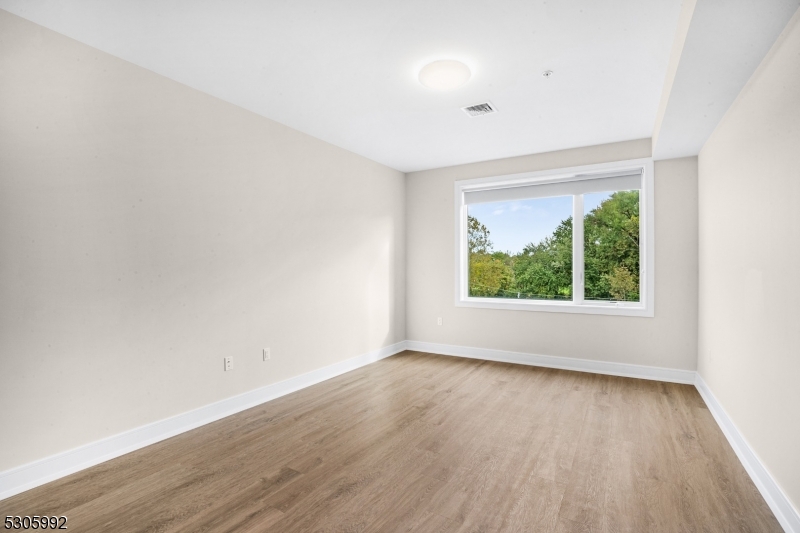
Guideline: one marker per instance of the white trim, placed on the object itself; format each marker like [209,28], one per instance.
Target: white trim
[778,502]
[28,476]
[43,471]
[578,267]
[595,308]
[781,507]
[646,308]
[672,375]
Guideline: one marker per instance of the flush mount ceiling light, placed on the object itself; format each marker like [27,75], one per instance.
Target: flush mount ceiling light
[444,75]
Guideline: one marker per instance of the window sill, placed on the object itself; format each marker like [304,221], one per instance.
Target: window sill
[557,307]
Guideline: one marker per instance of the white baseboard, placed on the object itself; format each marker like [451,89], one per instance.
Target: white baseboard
[39,472]
[566,363]
[43,471]
[780,505]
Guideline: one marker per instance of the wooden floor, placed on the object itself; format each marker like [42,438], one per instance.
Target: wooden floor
[428,443]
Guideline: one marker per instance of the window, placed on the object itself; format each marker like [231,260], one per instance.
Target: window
[575,240]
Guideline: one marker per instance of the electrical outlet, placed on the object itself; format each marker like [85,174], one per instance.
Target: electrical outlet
[265,354]
[228,363]
[439,321]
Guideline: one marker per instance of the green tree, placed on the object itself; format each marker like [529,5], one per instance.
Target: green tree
[477,237]
[489,276]
[611,248]
[489,273]
[622,283]
[544,270]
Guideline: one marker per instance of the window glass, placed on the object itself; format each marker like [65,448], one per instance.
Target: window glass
[521,240]
[611,246]
[521,249]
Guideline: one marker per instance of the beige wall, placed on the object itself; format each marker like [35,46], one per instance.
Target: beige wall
[147,230]
[667,340]
[749,188]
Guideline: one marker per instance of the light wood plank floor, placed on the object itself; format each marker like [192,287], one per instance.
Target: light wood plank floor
[428,443]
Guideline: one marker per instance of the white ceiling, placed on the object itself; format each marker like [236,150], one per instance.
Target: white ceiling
[345,71]
[725,43]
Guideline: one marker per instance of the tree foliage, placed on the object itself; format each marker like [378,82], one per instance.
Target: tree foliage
[544,269]
[488,274]
[478,237]
[611,249]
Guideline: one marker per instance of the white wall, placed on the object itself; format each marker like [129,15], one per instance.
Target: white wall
[749,192]
[667,340]
[147,230]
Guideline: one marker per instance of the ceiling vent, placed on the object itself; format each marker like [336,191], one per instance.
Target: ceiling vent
[479,109]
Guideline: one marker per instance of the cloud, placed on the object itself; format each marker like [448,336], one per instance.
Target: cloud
[498,211]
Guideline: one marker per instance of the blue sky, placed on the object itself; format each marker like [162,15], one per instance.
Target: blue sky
[512,225]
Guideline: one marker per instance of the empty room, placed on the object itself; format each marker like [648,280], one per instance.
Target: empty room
[373,266]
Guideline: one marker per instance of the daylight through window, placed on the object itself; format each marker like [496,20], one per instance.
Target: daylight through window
[574,240]
[521,249]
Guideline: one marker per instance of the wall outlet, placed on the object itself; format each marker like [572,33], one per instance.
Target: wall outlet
[439,321]
[265,354]
[228,363]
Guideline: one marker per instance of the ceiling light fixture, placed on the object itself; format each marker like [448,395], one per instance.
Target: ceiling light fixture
[444,75]
[547,73]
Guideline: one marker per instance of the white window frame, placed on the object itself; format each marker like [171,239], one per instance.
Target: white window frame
[643,308]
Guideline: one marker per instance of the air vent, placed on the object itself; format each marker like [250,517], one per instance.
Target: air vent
[479,109]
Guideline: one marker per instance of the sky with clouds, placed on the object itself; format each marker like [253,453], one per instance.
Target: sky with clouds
[513,225]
